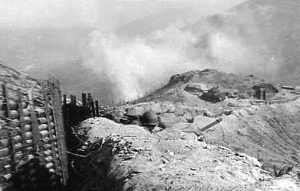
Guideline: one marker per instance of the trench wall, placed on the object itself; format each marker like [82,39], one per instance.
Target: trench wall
[32,139]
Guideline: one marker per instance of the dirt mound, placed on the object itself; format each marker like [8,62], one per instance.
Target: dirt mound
[245,122]
[269,132]
[199,81]
[132,158]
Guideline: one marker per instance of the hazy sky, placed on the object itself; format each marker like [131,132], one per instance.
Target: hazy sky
[123,48]
[105,14]
[66,37]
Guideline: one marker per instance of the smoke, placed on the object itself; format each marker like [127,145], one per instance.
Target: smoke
[137,66]
[227,42]
[235,42]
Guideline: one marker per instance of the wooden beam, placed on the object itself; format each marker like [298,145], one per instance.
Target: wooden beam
[97,108]
[64,99]
[21,117]
[59,128]
[8,117]
[51,135]
[34,123]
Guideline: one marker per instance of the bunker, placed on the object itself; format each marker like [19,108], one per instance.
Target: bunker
[264,91]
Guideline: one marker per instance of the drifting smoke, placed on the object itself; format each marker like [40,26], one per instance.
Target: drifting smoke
[135,66]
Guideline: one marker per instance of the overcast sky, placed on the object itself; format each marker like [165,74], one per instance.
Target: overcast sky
[66,37]
[105,14]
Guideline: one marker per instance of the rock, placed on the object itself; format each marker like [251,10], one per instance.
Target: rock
[231,104]
[137,160]
[196,88]
[202,121]
[227,112]
[170,119]
[208,113]
[134,111]
[168,108]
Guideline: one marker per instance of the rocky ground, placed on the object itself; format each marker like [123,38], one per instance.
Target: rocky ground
[254,145]
[129,157]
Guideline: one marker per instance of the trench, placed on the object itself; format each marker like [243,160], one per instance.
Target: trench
[85,170]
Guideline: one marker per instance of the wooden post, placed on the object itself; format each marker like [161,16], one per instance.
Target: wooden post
[73,100]
[59,128]
[93,108]
[89,104]
[34,123]
[52,140]
[83,100]
[84,104]
[97,108]
[65,99]
[10,133]
[21,117]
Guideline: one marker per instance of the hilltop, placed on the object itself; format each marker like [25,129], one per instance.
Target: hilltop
[250,125]
[198,81]
[247,140]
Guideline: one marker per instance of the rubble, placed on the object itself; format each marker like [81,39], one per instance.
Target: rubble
[135,159]
[232,144]
[128,157]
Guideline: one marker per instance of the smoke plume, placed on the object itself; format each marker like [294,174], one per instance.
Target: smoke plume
[137,66]
[233,42]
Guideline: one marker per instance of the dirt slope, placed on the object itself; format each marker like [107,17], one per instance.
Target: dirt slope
[269,132]
[134,159]
[174,89]
[131,158]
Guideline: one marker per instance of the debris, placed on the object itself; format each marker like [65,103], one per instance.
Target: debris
[288,87]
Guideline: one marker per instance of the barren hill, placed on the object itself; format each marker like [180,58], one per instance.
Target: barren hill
[249,140]
[267,130]
[201,81]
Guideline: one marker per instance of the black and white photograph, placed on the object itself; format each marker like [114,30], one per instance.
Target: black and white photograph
[149,95]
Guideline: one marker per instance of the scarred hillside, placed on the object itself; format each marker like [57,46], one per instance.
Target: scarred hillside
[131,158]
[201,81]
[254,117]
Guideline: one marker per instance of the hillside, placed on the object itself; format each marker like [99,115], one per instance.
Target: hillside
[130,158]
[175,89]
[203,141]
[267,130]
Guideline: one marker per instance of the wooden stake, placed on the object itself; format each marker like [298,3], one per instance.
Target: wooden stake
[47,110]
[8,117]
[59,128]
[65,99]
[97,108]
[21,117]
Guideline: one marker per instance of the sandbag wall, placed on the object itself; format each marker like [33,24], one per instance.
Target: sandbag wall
[32,140]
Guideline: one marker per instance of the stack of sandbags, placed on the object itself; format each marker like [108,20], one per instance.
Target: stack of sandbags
[30,150]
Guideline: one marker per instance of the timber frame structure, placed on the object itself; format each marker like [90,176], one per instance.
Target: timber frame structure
[33,153]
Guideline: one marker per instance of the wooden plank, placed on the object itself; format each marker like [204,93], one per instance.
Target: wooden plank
[83,99]
[97,108]
[34,123]
[84,105]
[59,127]
[93,108]
[71,99]
[65,99]
[52,140]
[10,132]
[89,100]
[21,117]
[74,100]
